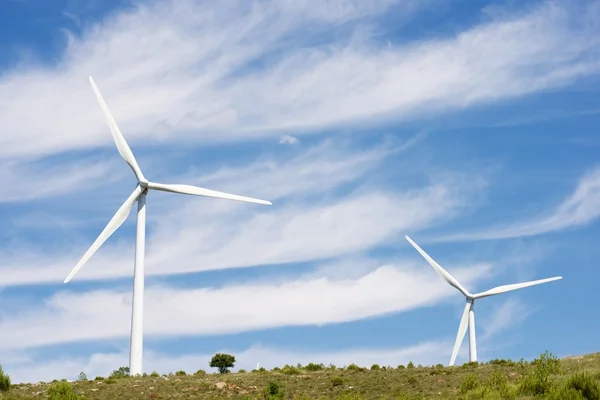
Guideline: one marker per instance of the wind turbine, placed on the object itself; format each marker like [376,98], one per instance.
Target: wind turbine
[468,317]
[139,195]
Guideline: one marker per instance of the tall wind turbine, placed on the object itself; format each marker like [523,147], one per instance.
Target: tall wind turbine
[139,195]
[468,317]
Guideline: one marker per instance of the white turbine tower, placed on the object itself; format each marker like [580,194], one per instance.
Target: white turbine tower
[139,195]
[468,317]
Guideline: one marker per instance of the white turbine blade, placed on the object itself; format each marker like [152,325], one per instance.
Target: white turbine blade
[441,271]
[462,329]
[122,145]
[115,222]
[197,191]
[508,288]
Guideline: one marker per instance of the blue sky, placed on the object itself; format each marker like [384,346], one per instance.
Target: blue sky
[470,126]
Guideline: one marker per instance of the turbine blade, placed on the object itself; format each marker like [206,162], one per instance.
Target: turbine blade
[441,271]
[115,222]
[197,191]
[509,288]
[122,145]
[462,329]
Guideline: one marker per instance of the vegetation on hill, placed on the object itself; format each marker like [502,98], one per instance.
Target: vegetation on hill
[547,377]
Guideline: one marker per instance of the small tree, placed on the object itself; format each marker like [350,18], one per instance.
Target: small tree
[4,381]
[120,373]
[538,380]
[62,391]
[223,362]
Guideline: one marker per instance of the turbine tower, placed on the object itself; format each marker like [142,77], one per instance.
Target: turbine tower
[139,195]
[468,317]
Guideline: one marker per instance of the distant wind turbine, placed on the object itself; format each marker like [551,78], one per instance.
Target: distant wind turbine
[468,317]
[139,195]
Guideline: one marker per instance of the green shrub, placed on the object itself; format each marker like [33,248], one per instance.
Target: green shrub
[537,380]
[470,364]
[62,391]
[200,372]
[242,371]
[262,369]
[272,391]
[410,365]
[547,362]
[99,378]
[375,367]
[354,367]
[468,383]
[290,370]
[4,381]
[122,372]
[154,374]
[314,367]
[412,380]
[584,384]
[337,381]
[497,385]
[110,381]
[272,388]
[222,362]
[497,380]
[565,393]
[180,373]
[502,362]
[401,366]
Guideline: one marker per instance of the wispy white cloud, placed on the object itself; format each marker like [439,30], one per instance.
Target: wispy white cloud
[100,314]
[578,209]
[37,180]
[291,234]
[194,57]
[314,170]
[289,139]
[194,234]
[102,364]
[507,315]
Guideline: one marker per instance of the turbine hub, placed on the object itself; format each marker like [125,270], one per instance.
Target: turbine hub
[144,184]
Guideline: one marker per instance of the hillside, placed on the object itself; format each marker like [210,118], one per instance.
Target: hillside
[498,379]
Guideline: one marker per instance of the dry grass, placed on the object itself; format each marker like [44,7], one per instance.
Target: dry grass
[464,382]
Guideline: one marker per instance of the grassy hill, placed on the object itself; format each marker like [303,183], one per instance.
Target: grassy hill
[548,377]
